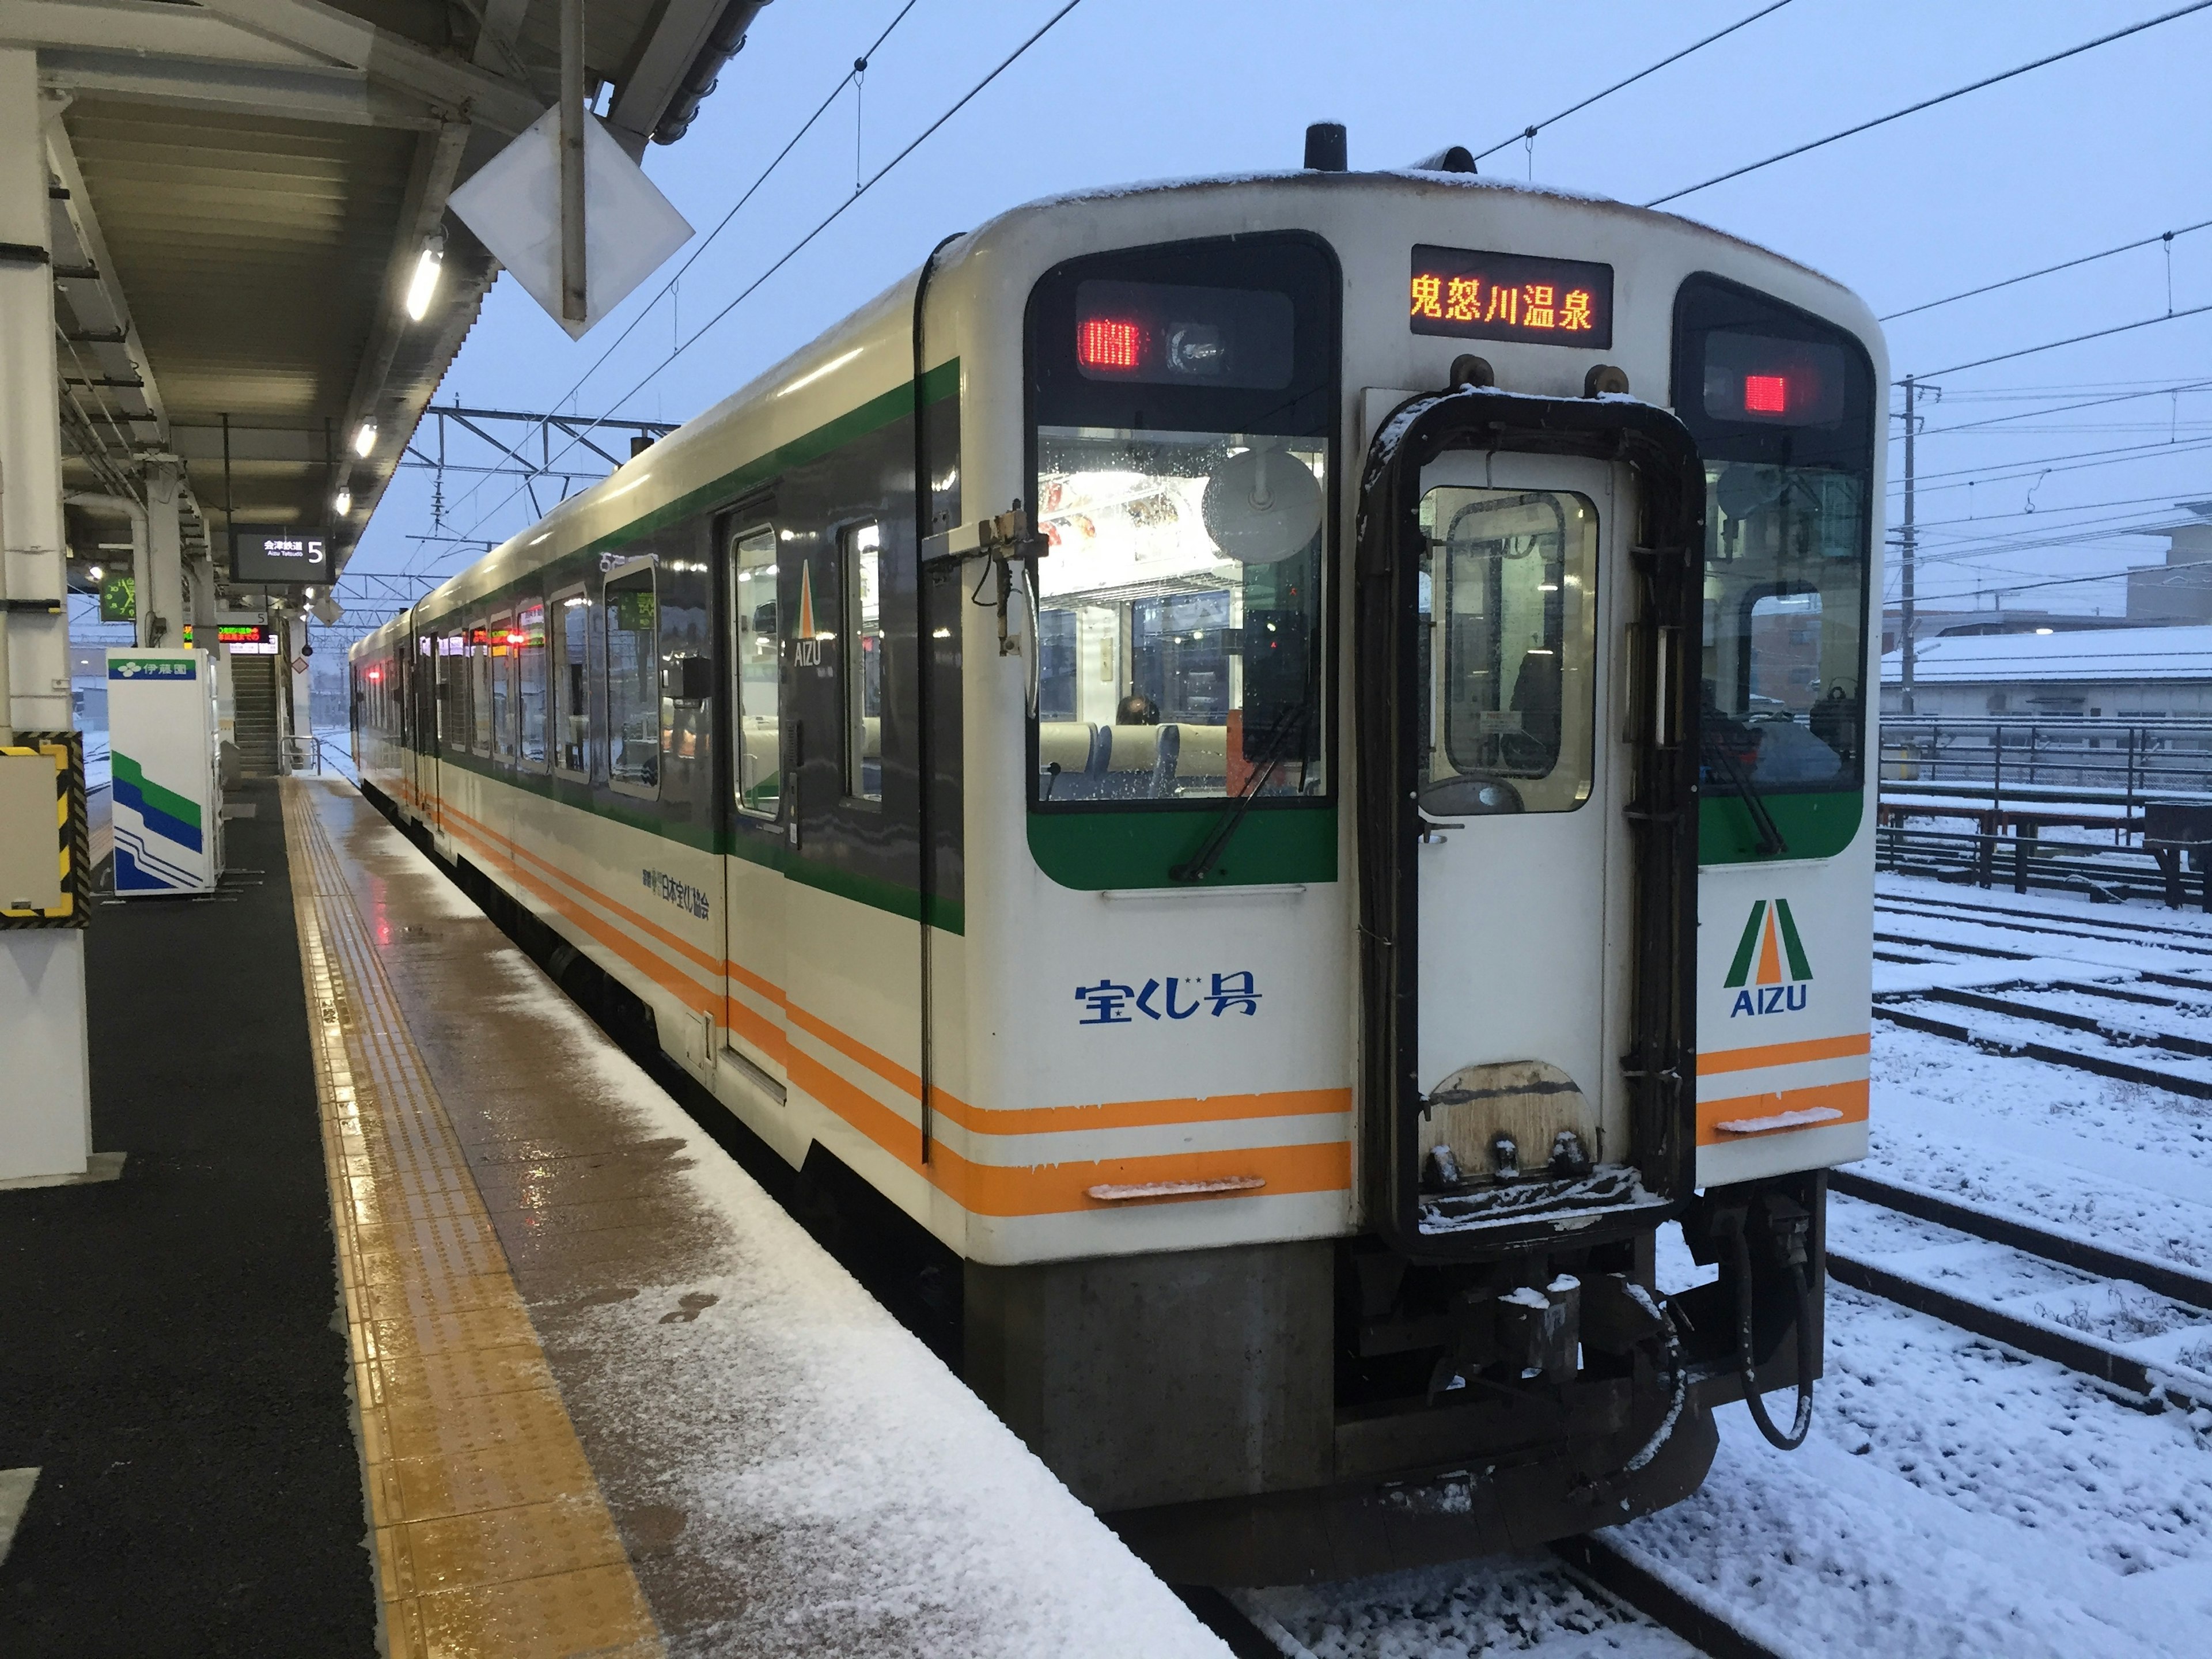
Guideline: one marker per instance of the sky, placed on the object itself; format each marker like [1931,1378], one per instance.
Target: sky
[2070,159]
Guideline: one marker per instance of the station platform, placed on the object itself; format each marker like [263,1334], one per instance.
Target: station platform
[421,1319]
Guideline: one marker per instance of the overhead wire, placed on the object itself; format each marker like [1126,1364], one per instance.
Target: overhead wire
[835,214]
[2073,461]
[1931,103]
[707,241]
[2071,339]
[2093,402]
[1527,133]
[1994,519]
[2028,276]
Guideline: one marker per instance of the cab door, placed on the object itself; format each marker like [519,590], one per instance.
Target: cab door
[1528,586]
[1517,867]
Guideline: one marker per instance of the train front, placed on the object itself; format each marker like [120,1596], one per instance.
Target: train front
[1453,645]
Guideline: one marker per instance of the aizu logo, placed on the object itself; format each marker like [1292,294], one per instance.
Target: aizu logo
[1770,938]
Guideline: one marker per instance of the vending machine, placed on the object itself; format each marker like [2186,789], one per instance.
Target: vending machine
[163,738]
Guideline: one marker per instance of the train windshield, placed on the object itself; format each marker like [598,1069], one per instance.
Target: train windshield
[1181,450]
[1783,408]
[1175,666]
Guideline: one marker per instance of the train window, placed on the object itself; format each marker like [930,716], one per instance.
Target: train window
[633,683]
[480,689]
[757,674]
[570,642]
[1508,593]
[502,685]
[529,684]
[1183,409]
[1782,405]
[863,662]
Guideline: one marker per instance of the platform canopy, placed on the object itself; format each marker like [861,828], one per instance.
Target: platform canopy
[242,191]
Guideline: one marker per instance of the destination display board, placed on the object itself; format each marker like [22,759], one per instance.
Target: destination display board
[1511,297]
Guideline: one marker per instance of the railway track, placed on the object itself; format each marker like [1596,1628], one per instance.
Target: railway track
[2187,942]
[2147,1385]
[1928,950]
[1973,911]
[1608,1572]
[2099,1065]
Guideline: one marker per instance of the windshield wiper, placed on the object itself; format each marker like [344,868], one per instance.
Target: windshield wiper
[1771,844]
[1272,751]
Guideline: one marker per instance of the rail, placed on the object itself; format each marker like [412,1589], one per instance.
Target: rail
[2145,1384]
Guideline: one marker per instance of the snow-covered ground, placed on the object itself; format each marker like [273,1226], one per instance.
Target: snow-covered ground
[1955,1499]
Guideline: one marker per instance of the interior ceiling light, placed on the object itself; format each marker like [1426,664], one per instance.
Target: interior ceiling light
[364,440]
[423,287]
[97,573]
[344,502]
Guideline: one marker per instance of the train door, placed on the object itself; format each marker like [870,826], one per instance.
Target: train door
[1527,593]
[753,906]
[1515,866]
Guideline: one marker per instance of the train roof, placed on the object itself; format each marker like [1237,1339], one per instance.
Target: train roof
[512,557]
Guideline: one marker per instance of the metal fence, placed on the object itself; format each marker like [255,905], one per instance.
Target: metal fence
[2027,863]
[2112,761]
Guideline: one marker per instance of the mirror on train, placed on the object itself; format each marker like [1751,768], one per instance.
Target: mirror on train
[1261,505]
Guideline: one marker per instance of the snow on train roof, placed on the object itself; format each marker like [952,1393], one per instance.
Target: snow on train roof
[1314,180]
[2089,654]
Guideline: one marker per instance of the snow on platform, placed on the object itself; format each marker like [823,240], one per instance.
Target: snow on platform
[792,1471]
[1955,1498]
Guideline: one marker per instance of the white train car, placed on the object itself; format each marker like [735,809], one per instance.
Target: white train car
[1339,811]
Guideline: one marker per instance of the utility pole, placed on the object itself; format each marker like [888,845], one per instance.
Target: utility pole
[1905,549]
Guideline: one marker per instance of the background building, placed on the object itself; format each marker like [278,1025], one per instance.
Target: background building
[2147,673]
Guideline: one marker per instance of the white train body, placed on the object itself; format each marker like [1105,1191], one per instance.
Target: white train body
[1155,1126]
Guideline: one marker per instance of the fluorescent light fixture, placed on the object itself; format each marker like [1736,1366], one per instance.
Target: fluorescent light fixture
[344,502]
[423,286]
[364,439]
[2043,630]
[812,375]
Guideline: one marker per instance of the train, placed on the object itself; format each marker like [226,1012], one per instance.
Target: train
[1272,771]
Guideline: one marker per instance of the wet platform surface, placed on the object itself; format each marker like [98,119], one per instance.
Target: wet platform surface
[422,1320]
[613,1399]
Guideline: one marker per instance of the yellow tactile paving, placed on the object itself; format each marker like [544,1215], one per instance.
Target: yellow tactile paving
[493,1541]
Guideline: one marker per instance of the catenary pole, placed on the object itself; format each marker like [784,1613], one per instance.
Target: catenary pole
[1905,573]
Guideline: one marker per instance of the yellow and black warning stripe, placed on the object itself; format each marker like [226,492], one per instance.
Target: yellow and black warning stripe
[66,750]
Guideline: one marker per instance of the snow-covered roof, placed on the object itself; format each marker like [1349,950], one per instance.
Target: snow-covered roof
[2089,654]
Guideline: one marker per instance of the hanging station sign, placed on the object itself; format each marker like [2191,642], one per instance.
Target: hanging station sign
[279,558]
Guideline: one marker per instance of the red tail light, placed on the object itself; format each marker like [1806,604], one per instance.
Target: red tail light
[1766,394]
